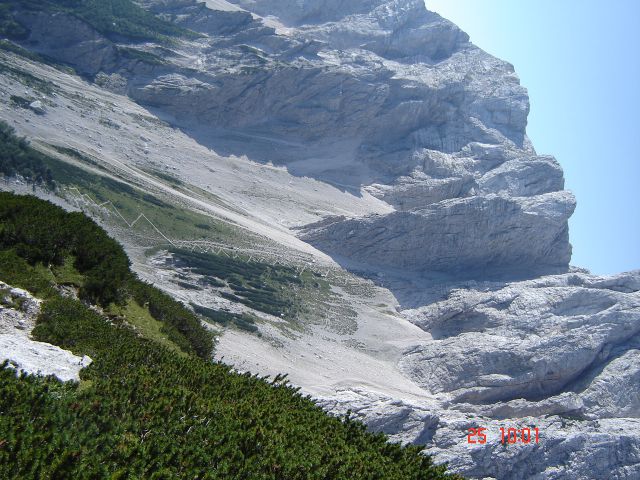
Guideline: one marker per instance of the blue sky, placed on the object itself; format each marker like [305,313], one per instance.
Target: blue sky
[580,60]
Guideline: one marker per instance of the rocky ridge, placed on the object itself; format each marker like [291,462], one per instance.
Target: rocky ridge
[443,201]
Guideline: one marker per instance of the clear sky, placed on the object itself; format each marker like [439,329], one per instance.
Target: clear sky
[580,60]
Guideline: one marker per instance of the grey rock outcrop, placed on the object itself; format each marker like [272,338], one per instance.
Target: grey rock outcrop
[560,353]
[18,313]
[69,40]
[509,342]
[37,107]
[474,236]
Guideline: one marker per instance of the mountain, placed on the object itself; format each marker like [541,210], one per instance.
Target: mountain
[375,152]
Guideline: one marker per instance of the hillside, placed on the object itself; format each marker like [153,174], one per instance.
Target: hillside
[143,408]
[343,192]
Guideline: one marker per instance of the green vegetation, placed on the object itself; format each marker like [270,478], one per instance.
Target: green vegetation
[19,101]
[8,300]
[23,221]
[42,246]
[143,322]
[17,158]
[145,410]
[113,18]
[66,274]
[244,321]
[8,26]
[13,48]
[146,57]
[180,324]
[17,272]
[173,221]
[261,286]
[175,182]
[70,152]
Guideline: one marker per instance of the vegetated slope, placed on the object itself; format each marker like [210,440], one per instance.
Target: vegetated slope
[40,233]
[16,158]
[143,410]
[112,18]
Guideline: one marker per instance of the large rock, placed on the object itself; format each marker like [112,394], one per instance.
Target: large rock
[526,340]
[18,313]
[474,236]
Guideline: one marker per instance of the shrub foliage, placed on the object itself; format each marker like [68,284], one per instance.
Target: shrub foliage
[40,232]
[17,158]
[34,232]
[116,19]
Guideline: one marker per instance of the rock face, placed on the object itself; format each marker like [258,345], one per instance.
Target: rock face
[385,100]
[475,236]
[390,97]
[535,321]
[18,312]
[368,95]
[560,353]
[76,43]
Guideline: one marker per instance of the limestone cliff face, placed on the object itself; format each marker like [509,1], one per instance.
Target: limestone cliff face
[560,353]
[415,114]
[383,96]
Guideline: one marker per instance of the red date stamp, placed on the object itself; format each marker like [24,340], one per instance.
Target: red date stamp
[507,435]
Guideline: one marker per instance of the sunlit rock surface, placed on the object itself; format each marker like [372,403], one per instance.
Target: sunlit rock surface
[18,313]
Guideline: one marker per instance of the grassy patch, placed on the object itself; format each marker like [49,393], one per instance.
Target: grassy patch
[72,153]
[66,274]
[243,321]
[173,221]
[144,323]
[166,177]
